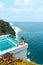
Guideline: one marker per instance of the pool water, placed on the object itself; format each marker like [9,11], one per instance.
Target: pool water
[7,42]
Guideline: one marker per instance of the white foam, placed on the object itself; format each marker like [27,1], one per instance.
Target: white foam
[11,24]
[28,59]
[28,53]
[16,29]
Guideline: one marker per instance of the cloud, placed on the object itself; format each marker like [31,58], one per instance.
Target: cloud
[15,10]
[27,2]
[21,9]
[22,2]
[16,2]
[1,4]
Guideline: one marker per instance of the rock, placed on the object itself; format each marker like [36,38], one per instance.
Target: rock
[5,28]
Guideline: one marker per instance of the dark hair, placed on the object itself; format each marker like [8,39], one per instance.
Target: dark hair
[22,38]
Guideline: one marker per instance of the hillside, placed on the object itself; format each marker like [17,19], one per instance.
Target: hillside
[8,59]
[5,28]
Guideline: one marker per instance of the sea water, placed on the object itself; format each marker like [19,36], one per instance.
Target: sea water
[33,34]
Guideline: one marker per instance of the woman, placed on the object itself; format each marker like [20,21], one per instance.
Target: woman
[21,41]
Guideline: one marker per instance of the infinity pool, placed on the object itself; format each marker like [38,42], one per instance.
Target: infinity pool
[7,42]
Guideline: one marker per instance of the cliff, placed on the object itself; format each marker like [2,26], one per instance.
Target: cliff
[5,28]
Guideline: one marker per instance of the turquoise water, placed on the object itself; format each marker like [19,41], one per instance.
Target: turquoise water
[7,42]
[33,34]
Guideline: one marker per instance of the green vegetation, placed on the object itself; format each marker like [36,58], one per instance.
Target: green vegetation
[5,28]
[8,59]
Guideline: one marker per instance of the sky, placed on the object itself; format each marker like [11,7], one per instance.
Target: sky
[21,10]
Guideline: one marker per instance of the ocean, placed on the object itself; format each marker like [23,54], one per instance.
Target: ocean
[33,34]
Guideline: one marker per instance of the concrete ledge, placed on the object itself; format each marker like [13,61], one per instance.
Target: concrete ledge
[19,51]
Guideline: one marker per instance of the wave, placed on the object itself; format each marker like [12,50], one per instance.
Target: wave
[16,29]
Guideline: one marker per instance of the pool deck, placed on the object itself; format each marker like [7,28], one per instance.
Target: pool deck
[19,51]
